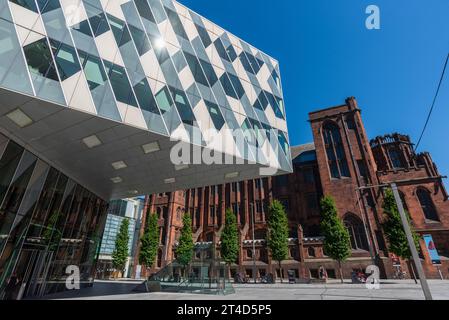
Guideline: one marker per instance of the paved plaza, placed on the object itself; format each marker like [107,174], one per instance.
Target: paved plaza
[390,290]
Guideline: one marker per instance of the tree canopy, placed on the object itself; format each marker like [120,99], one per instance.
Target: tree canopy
[149,242]
[120,254]
[230,238]
[393,228]
[184,251]
[277,237]
[337,242]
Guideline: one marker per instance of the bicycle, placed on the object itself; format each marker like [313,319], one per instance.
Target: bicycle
[399,275]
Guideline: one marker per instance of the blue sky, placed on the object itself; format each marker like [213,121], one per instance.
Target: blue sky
[326,54]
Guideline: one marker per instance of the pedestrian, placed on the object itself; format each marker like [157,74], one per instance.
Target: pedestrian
[322,273]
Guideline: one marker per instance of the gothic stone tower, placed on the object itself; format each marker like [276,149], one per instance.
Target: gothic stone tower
[421,188]
[346,165]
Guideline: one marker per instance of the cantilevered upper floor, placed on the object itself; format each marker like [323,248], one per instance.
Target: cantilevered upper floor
[104,90]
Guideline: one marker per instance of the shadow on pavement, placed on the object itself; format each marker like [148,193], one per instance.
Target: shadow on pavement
[99,289]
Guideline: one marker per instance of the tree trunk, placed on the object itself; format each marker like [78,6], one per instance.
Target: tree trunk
[412,270]
[341,271]
[280,272]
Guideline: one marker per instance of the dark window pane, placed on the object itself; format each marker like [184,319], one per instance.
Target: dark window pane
[344,168]
[245,63]
[83,27]
[16,191]
[427,205]
[204,36]
[144,10]
[263,100]
[227,86]
[120,84]
[120,30]
[237,85]
[48,5]
[195,67]
[183,106]
[283,142]
[43,204]
[395,158]
[336,157]
[209,72]
[356,232]
[140,40]
[215,114]
[99,24]
[221,50]
[145,97]
[231,52]
[66,59]
[8,165]
[39,59]
[255,66]
[350,123]
[275,104]
[334,169]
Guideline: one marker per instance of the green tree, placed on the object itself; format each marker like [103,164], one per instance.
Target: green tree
[394,230]
[230,239]
[120,254]
[184,251]
[149,242]
[337,243]
[277,237]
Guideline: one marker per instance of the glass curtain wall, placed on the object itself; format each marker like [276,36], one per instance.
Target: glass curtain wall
[47,223]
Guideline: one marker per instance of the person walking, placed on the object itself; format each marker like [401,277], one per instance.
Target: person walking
[322,273]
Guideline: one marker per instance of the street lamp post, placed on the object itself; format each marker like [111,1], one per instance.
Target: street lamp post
[411,243]
[408,232]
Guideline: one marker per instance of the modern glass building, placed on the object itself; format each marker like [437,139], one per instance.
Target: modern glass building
[103,92]
[119,210]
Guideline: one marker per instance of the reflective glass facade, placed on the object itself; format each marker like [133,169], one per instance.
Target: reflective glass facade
[111,230]
[152,64]
[47,222]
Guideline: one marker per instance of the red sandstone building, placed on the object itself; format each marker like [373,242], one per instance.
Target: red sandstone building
[340,162]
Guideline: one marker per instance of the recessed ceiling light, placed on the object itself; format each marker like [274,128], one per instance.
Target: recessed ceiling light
[180,167]
[116,180]
[134,192]
[151,147]
[119,165]
[231,175]
[92,141]
[171,180]
[19,118]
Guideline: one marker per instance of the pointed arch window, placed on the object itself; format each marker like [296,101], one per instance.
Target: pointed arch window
[427,205]
[338,166]
[356,232]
